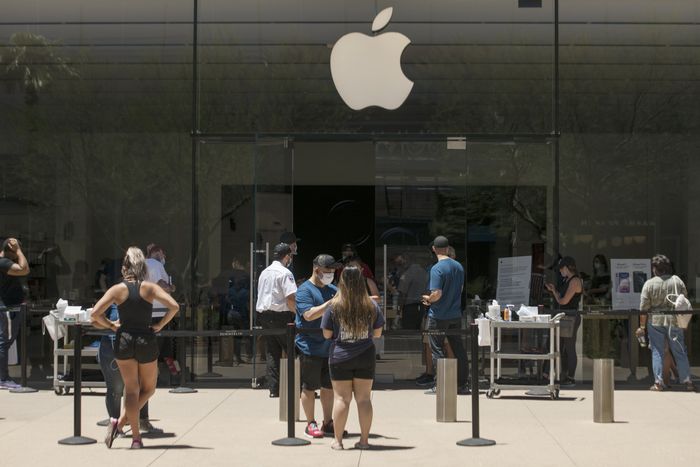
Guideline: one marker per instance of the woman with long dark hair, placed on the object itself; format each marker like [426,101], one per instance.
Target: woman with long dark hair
[351,321]
[135,347]
[568,295]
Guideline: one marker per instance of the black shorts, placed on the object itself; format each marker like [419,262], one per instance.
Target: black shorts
[360,367]
[314,372]
[142,347]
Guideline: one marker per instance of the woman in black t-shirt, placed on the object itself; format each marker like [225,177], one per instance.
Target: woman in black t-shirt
[351,321]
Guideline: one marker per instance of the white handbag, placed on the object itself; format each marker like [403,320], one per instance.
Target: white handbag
[680,303]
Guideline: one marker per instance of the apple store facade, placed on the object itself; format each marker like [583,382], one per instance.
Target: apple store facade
[513,127]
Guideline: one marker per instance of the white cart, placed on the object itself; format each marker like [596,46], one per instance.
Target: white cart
[61,386]
[496,355]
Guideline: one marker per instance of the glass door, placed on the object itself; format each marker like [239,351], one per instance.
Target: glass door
[420,192]
[491,200]
[244,195]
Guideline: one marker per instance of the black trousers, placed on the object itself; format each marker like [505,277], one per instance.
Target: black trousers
[275,345]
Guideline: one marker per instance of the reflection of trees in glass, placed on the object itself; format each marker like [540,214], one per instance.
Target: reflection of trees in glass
[121,164]
[31,63]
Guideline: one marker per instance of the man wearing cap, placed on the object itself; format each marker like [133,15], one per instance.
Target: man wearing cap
[276,304]
[312,299]
[445,309]
[290,239]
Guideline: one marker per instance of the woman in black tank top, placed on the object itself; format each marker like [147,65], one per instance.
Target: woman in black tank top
[568,297]
[135,347]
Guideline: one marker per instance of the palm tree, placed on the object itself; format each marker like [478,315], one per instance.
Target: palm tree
[31,64]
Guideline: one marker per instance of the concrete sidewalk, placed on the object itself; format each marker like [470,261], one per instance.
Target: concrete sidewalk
[236,427]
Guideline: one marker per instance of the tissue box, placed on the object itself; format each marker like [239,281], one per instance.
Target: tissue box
[72,314]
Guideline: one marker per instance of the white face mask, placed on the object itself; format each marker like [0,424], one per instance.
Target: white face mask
[162,261]
[327,278]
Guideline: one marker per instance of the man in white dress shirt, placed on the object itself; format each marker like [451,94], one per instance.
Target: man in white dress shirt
[276,306]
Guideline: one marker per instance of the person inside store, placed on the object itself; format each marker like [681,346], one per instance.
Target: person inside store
[663,329]
[276,307]
[599,291]
[351,321]
[136,345]
[349,253]
[13,266]
[568,296]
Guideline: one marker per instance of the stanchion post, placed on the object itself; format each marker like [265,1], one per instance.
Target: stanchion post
[210,357]
[77,438]
[23,389]
[180,349]
[290,440]
[475,440]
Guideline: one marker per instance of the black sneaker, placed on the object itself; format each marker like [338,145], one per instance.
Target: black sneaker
[328,429]
[145,426]
[464,390]
[425,380]
[432,391]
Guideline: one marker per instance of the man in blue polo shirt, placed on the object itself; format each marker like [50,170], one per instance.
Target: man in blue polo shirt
[312,299]
[445,309]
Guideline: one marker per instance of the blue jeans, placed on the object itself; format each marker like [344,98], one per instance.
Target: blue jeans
[658,336]
[437,346]
[113,380]
[7,327]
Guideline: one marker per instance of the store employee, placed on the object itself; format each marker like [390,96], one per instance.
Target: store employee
[276,305]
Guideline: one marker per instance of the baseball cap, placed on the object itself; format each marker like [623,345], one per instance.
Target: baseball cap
[441,242]
[281,250]
[326,261]
[288,238]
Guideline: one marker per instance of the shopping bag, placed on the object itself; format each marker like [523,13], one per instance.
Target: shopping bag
[484,332]
[50,323]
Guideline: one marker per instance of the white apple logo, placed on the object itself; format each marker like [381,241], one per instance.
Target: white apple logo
[366,69]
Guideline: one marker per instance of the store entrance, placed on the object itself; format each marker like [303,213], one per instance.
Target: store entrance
[388,198]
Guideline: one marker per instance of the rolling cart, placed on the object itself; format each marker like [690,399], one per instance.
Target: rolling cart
[496,355]
[61,386]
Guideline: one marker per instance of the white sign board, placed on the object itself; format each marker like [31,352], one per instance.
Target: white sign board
[514,280]
[628,277]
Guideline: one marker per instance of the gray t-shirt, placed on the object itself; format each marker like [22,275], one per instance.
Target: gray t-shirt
[654,295]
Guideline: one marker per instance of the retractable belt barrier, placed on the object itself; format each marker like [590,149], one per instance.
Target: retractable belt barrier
[290,331]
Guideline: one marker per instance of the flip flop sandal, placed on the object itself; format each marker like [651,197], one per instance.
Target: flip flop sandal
[336,446]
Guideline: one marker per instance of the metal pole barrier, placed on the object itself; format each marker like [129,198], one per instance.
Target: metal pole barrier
[475,440]
[23,389]
[210,357]
[446,390]
[603,390]
[180,348]
[77,439]
[290,440]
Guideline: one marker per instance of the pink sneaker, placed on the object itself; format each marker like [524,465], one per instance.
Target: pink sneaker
[312,431]
[136,444]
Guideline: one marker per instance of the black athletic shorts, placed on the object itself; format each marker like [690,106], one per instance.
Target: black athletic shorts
[314,372]
[361,367]
[141,346]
